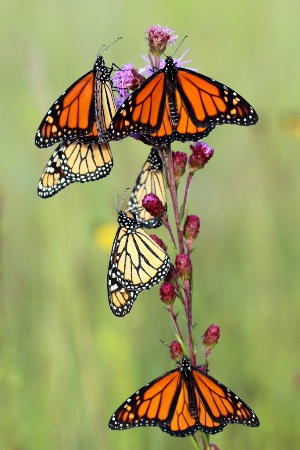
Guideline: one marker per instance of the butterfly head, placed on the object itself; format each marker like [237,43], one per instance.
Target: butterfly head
[185,364]
[124,219]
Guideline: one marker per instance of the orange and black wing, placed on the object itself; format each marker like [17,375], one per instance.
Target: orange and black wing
[184,130]
[152,405]
[149,181]
[218,406]
[208,102]
[74,161]
[71,116]
[142,111]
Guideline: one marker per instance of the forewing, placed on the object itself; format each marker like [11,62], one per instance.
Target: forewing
[142,111]
[218,406]
[140,262]
[152,405]
[71,116]
[209,102]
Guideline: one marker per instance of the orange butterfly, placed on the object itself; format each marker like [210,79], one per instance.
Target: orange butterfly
[85,109]
[179,104]
[181,402]
[74,161]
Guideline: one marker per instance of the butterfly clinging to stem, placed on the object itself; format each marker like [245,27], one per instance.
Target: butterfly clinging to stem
[136,263]
[149,181]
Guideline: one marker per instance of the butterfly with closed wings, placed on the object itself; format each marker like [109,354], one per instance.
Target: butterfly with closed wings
[136,263]
[86,108]
[149,181]
[182,401]
[179,104]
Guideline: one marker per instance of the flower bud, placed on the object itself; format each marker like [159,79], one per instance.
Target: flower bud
[191,227]
[176,351]
[179,164]
[153,205]
[201,154]
[213,447]
[183,266]
[158,38]
[210,338]
[167,293]
[159,242]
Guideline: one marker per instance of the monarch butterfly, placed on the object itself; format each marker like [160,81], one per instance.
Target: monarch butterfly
[74,161]
[181,402]
[149,181]
[84,109]
[136,263]
[179,104]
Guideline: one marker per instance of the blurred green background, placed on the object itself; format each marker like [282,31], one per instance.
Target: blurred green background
[66,363]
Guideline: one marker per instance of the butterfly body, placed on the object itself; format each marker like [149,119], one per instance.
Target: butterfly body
[179,104]
[84,110]
[181,402]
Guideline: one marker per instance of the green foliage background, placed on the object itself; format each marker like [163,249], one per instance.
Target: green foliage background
[66,362]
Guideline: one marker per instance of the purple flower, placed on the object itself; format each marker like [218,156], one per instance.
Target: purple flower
[160,63]
[126,79]
[201,154]
[158,38]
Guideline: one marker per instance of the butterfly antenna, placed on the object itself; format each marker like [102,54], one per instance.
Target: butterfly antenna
[197,343]
[104,50]
[122,199]
[179,46]
[170,348]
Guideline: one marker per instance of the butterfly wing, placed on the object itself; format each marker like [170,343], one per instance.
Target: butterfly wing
[142,111]
[218,406]
[152,405]
[71,116]
[74,161]
[120,299]
[149,181]
[54,177]
[140,262]
[208,102]
[87,161]
[105,107]
[184,130]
